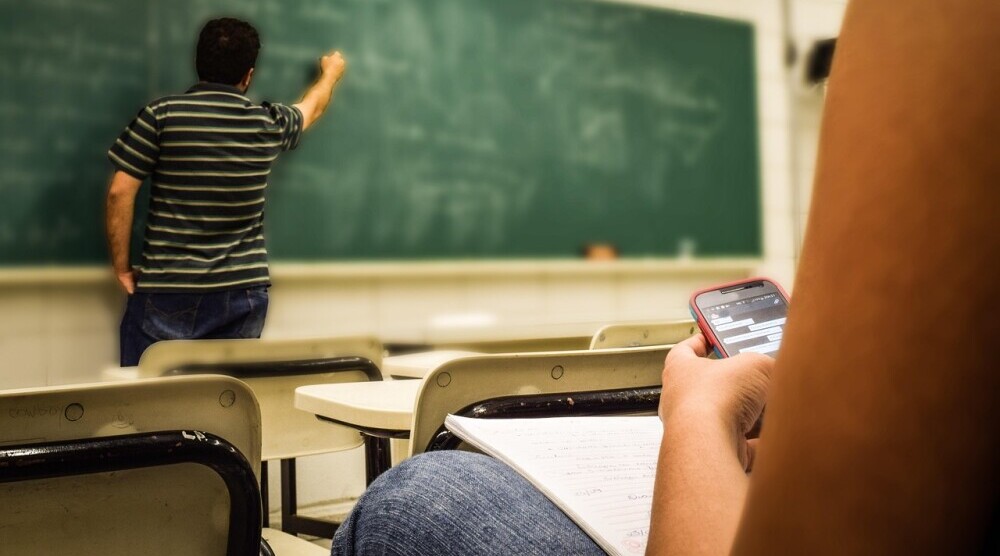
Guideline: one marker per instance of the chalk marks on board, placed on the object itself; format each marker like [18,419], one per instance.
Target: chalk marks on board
[466,104]
[73,77]
[464,128]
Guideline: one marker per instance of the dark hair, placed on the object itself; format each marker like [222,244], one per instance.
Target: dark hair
[227,49]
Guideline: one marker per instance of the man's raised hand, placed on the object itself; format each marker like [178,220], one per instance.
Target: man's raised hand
[334,65]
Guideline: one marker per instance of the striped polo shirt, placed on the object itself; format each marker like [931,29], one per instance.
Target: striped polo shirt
[209,152]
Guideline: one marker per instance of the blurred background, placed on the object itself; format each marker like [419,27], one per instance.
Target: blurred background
[474,156]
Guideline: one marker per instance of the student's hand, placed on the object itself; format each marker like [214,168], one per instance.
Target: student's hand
[333,65]
[703,392]
[127,281]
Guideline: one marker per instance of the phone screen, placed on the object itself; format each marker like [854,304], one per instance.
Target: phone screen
[754,323]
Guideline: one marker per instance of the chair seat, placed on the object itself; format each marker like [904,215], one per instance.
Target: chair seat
[284,544]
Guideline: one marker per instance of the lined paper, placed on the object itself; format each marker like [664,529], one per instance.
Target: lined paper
[598,470]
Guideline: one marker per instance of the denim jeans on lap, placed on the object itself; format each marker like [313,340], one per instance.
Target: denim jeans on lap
[152,317]
[457,503]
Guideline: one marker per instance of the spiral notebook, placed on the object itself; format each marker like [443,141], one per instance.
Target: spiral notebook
[598,470]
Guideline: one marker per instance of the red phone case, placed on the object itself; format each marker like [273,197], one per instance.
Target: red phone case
[703,323]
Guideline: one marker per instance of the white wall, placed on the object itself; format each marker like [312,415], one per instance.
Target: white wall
[809,21]
[61,327]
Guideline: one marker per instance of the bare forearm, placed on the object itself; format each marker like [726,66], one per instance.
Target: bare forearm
[119,230]
[700,488]
[120,207]
[317,98]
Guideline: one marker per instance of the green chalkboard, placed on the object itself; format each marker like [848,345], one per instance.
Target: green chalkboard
[464,128]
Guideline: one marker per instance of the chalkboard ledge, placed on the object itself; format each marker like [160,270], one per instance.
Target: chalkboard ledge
[286,271]
[55,276]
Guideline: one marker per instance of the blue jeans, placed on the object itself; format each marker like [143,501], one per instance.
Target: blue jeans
[458,503]
[151,317]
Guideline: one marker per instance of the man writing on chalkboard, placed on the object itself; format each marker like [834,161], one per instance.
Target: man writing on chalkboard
[209,152]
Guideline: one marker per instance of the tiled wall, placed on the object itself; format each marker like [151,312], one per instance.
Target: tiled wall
[65,331]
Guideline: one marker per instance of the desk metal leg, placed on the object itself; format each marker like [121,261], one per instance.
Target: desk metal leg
[265,502]
[377,457]
[291,521]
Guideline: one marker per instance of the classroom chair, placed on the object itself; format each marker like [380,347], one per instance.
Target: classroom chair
[163,466]
[643,334]
[273,369]
[566,342]
[417,365]
[505,338]
[579,382]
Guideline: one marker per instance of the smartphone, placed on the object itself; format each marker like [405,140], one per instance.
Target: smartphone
[743,316]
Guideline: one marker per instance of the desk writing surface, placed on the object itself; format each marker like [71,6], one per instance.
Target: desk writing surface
[417,365]
[386,405]
[116,373]
[464,128]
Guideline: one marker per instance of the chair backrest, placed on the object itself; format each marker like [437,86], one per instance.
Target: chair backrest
[642,334]
[463,382]
[80,473]
[514,337]
[519,345]
[274,369]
